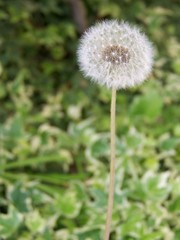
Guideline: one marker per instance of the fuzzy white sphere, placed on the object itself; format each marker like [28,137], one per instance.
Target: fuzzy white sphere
[115,54]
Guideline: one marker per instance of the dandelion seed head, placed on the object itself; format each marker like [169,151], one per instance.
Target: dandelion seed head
[115,54]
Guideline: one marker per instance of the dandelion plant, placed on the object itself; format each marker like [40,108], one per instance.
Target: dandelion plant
[116,55]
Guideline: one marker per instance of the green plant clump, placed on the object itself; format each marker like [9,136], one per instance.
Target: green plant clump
[54,127]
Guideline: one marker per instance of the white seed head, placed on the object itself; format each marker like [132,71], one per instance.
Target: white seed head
[115,54]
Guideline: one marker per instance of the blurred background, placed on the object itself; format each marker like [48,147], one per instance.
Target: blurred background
[54,126]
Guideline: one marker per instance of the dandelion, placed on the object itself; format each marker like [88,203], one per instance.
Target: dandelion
[116,55]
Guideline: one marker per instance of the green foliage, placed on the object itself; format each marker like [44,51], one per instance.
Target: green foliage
[148,105]
[54,128]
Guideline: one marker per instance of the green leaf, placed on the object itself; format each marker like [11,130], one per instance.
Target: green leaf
[34,221]
[148,106]
[154,236]
[100,147]
[20,198]
[93,234]
[169,143]
[49,178]
[33,161]
[151,187]
[100,198]
[9,223]
[176,66]
[68,204]
[177,235]
[175,205]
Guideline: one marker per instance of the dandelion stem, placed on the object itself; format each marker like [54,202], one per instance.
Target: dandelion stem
[112,166]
